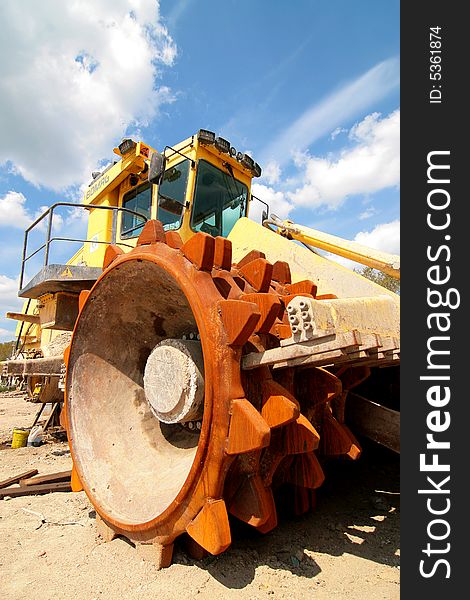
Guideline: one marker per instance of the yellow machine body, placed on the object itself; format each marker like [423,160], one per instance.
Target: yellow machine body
[122,178]
[111,188]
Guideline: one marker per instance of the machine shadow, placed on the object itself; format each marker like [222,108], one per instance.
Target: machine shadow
[357,513]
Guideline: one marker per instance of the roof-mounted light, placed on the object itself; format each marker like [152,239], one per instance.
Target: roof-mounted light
[247,162]
[222,145]
[126,146]
[205,136]
[256,170]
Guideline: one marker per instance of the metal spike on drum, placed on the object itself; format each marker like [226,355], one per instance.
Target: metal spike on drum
[200,251]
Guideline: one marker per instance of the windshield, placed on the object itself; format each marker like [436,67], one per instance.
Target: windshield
[219,200]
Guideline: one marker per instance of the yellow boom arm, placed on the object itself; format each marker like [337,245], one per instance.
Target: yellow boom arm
[382,261]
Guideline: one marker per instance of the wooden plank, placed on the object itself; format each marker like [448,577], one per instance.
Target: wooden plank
[23,317]
[371,342]
[376,355]
[388,354]
[372,361]
[383,351]
[32,490]
[333,357]
[16,478]
[51,478]
[390,343]
[373,420]
[55,409]
[36,366]
[324,335]
[38,414]
[350,339]
[317,360]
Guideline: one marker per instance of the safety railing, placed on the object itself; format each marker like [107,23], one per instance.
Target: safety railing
[49,214]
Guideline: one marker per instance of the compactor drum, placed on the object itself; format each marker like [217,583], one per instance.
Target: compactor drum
[168,434]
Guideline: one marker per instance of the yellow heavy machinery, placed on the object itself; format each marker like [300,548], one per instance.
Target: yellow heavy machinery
[210,360]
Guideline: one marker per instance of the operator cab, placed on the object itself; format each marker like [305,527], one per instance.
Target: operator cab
[202,184]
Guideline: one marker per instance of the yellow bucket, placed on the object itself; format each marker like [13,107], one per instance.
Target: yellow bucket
[20,438]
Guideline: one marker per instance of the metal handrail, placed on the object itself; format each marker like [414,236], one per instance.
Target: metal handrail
[48,239]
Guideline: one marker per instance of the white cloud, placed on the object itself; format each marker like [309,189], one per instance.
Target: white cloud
[57,219]
[13,212]
[8,292]
[277,201]
[335,133]
[78,75]
[9,301]
[323,117]
[271,172]
[371,165]
[367,214]
[385,237]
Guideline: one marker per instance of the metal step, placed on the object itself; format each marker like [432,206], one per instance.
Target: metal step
[60,278]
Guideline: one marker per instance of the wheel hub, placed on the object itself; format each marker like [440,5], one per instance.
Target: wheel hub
[174,381]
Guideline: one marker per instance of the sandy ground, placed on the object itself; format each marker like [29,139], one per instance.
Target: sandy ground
[347,548]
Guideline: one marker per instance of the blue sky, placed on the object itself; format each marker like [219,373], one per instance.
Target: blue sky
[310,89]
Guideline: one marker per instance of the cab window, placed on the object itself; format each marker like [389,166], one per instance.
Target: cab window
[171,195]
[219,200]
[139,199]
[171,199]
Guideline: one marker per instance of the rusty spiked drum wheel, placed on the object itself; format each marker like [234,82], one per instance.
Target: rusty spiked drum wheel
[166,434]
